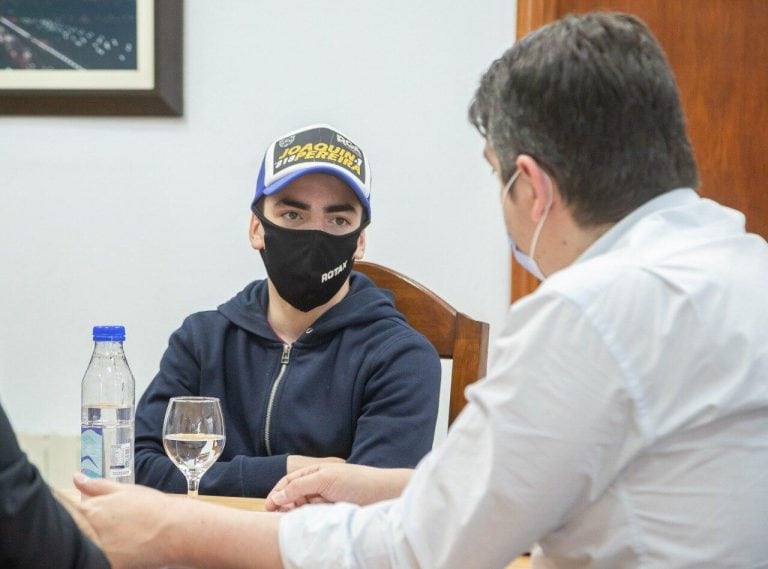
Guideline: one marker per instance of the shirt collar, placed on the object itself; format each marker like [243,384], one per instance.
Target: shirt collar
[673,198]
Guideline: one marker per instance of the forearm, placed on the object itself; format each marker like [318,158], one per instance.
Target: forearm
[248,476]
[211,537]
[390,483]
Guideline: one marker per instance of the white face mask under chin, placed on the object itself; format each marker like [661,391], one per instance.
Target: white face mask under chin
[528,262]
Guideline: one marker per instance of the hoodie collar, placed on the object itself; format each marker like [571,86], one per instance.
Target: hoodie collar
[363,303]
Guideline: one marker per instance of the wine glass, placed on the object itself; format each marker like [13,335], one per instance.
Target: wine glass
[193,436]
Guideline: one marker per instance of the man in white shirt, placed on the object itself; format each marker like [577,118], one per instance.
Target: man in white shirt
[624,422]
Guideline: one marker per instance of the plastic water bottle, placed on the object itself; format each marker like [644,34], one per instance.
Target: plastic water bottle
[107,409]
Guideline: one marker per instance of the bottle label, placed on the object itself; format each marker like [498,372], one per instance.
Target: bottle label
[120,459]
[91,453]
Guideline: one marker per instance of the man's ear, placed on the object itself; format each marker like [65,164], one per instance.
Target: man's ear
[540,185]
[256,233]
[360,251]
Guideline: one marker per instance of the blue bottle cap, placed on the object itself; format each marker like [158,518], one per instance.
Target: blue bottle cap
[109,333]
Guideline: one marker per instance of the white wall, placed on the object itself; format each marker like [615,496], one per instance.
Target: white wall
[143,221]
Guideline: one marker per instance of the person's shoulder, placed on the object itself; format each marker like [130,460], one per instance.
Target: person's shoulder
[246,299]
[396,324]
[213,319]
[203,318]
[377,317]
[601,279]
[395,335]
[198,326]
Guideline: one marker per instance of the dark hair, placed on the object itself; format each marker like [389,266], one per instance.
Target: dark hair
[594,101]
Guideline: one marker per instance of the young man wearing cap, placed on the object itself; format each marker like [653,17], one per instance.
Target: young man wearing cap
[312,364]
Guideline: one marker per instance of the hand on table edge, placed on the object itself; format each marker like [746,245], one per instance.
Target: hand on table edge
[332,482]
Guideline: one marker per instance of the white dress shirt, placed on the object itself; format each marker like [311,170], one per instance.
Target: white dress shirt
[623,423]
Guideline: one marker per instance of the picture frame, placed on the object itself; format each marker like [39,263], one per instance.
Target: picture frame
[153,88]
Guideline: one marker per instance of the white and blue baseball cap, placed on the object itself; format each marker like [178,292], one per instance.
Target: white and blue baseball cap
[314,149]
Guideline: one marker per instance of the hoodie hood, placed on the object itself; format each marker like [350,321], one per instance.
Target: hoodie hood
[364,303]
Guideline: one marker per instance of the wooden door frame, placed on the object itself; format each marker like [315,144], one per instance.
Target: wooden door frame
[531,15]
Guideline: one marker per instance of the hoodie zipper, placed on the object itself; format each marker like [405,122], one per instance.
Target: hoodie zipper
[268,421]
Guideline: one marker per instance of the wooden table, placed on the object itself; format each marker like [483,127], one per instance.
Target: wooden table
[257,505]
[253,504]
[522,562]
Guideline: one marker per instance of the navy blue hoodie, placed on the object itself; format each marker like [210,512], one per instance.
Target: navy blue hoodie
[360,384]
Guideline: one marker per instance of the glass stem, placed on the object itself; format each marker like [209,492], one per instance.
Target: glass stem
[192,484]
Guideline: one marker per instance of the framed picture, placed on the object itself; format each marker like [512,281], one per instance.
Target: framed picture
[91,57]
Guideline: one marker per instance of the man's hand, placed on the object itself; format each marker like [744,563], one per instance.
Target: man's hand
[128,520]
[337,483]
[142,528]
[297,462]
[81,521]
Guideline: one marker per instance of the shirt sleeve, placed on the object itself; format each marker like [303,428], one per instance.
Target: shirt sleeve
[541,436]
[33,525]
[396,426]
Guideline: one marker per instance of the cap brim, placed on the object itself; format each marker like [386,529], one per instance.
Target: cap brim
[340,173]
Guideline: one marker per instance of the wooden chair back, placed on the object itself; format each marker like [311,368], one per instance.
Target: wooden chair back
[454,335]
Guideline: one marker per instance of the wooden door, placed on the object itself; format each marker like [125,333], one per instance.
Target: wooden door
[718,50]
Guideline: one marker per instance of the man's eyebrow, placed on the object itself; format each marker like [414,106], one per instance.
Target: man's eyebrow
[292,203]
[339,208]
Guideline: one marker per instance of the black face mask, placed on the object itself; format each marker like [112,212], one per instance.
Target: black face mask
[307,266]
